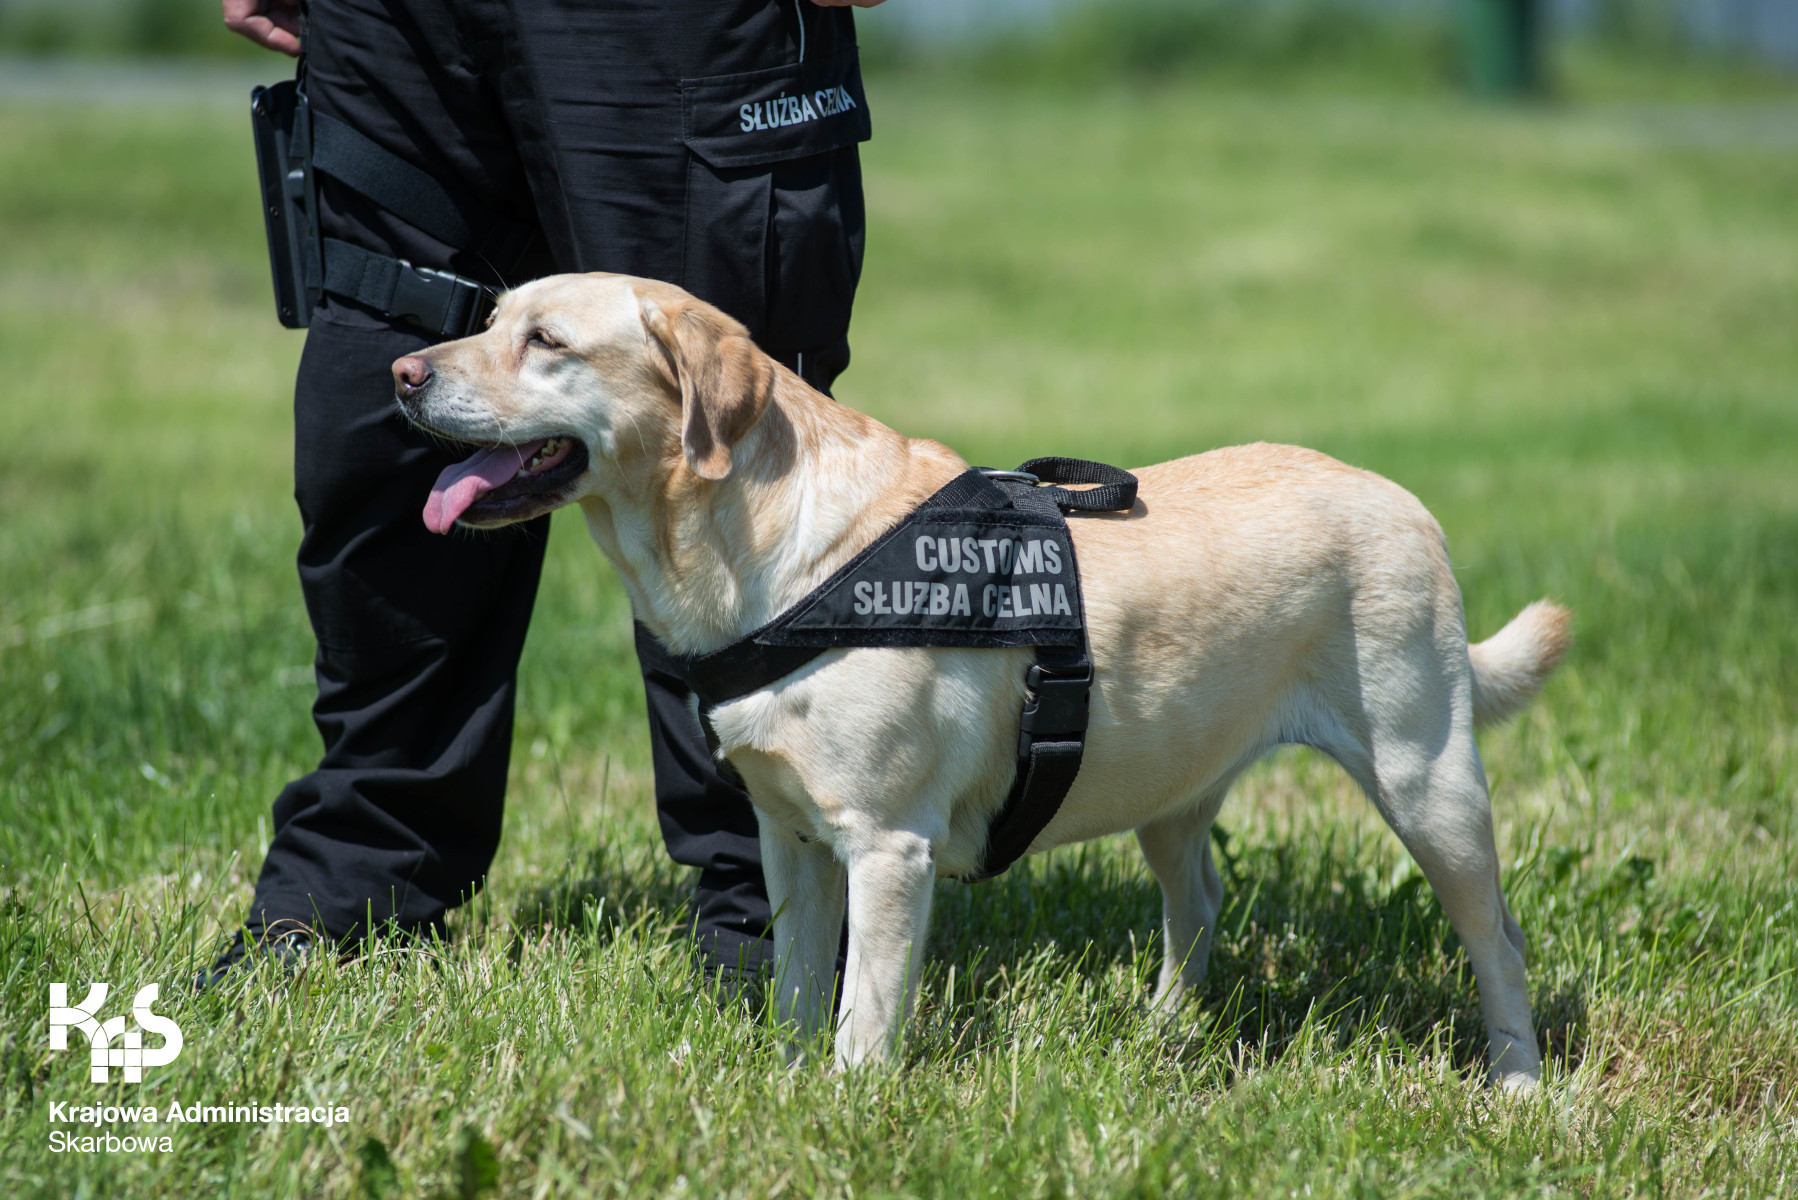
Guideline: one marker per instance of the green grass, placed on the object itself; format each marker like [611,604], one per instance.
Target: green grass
[1569,331]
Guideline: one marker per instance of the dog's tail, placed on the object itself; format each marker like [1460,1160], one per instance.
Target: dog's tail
[1510,666]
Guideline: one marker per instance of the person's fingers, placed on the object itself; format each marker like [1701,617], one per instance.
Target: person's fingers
[266,33]
[271,24]
[285,15]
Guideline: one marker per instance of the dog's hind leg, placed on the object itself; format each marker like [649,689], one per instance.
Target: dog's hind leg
[890,881]
[1178,849]
[805,890]
[1422,768]
[1441,812]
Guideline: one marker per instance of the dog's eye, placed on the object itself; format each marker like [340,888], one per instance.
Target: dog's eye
[539,338]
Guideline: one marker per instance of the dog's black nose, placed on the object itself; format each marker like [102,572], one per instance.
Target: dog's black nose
[410,374]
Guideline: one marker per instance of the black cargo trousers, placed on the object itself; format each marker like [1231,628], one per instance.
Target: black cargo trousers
[711,143]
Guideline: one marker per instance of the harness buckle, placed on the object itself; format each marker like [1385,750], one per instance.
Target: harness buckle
[436,299]
[1058,701]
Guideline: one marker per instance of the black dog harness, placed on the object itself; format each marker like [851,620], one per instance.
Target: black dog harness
[987,562]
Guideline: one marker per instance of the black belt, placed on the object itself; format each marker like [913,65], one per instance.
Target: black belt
[1052,726]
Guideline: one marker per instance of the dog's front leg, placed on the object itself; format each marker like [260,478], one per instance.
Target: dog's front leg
[805,890]
[890,882]
[1179,852]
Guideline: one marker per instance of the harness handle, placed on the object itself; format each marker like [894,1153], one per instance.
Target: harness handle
[1116,491]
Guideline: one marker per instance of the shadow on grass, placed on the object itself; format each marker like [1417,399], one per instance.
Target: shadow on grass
[602,890]
[1316,938]
[1311,941]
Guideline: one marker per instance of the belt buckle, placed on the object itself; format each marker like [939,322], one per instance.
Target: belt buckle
[437,300]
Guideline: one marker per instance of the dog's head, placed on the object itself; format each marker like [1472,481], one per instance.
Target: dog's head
[581,379]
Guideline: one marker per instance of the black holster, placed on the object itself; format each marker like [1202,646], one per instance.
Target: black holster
[293,145]
[283,128]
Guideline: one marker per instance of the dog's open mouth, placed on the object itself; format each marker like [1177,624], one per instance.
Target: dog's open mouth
[502,483]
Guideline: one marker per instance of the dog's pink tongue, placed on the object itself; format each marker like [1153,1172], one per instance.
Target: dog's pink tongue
[461,485]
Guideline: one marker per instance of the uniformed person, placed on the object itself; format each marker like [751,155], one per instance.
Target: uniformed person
[711,143]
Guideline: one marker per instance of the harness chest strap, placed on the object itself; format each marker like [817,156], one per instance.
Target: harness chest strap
[945,576]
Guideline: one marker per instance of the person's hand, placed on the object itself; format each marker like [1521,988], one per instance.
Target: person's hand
[273,24]
[847,3]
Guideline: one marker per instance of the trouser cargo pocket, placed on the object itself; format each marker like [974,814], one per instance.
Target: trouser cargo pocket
[774,221]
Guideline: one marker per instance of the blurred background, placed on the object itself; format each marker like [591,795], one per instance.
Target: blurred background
[1536,262]
[1161,35]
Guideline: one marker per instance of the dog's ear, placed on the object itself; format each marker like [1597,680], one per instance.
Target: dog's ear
[724,381]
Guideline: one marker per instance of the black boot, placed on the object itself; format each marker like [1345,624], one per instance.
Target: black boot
[286,949]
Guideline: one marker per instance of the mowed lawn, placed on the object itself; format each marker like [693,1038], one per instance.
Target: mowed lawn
[1573,332]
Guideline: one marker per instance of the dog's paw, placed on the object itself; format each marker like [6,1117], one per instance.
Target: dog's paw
[1517,1083]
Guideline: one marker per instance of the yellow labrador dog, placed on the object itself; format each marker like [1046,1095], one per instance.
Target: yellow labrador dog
[1254,596]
